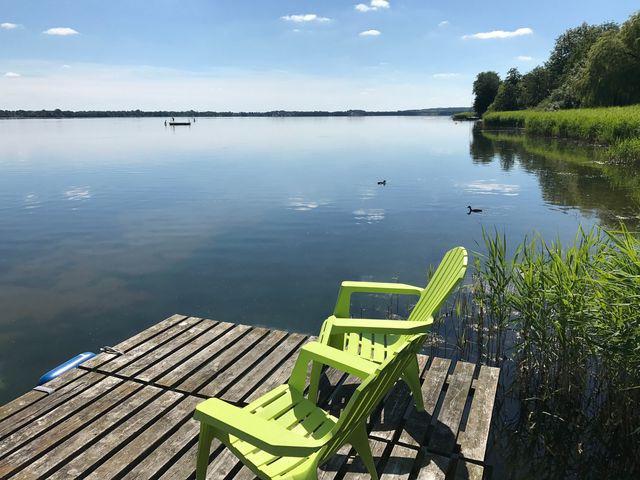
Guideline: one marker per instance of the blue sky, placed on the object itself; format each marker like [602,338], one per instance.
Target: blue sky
[270,54]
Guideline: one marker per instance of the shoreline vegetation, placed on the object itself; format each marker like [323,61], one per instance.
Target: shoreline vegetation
[57,113]
[563,324]
[616,130]
[587,90]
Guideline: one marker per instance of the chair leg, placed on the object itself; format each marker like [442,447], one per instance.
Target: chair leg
[411,376]
[314,381]
[360,441]
[204,447]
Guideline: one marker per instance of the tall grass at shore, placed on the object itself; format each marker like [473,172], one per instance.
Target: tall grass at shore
[564,323]
[618,128]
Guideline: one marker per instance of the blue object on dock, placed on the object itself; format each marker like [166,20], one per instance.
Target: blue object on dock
[68,365]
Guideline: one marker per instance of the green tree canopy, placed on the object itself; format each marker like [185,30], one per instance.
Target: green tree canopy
[571,49]
[611,75]
[536,86]
[509,96]
[485,88]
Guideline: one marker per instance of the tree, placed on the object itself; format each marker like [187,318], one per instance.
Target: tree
[611,75]
[509,96]
[536,87]
[485,88]
[571,49]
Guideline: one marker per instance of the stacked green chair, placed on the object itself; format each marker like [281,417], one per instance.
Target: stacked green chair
[283,435]
[371,339]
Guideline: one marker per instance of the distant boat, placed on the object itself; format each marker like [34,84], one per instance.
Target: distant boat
[174,124]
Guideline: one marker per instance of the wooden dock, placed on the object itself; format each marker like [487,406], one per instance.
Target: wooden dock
[128,415]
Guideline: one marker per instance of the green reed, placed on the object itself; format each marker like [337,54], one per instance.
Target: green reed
[564,322]
[616,127]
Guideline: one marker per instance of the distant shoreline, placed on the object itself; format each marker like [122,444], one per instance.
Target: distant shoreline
[23,114]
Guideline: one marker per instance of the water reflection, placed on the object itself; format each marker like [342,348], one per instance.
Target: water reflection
[110,225]
[570,175]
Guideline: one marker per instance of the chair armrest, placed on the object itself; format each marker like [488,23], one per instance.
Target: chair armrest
[251,428]
[398,327]
[325,355]
[343,304]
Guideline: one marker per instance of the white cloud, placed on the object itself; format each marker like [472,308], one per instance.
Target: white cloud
[370,33]
[373,6]
[445,75]
[12,75]
[524,58]
[66,66]
[443,23]
[307,17]
[9,26]
[61,31]
[499,34]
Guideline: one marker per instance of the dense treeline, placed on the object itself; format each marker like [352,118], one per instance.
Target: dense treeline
[589,66]
[192,113]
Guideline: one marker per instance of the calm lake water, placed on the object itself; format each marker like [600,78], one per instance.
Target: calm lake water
[110,225]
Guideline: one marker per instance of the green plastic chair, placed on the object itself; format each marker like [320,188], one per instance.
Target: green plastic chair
[283,435]
[372,339]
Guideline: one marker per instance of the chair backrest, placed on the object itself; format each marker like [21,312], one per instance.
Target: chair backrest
[369,394]
[445,279]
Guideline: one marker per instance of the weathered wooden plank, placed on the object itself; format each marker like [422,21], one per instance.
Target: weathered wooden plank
[473,440]
[33,396]
[244,473]
[142,432]
[400,463]
[81,430]
[182,371]
[19,403]
[274,360]
[395,406]
[162,456]
[245,363]
[143,443]
[229,356]
[157,354]
[59,397]
[63,415]
[120,361]
[222,465]
[468,471]
[206,340]
[185,466]
[432,466]
[443,438]
[356,469]
[134,341]
[330,470]
[417,423]
[117,438]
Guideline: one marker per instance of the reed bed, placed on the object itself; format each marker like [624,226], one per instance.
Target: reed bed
[615,127]
[564,324]
[600,125]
